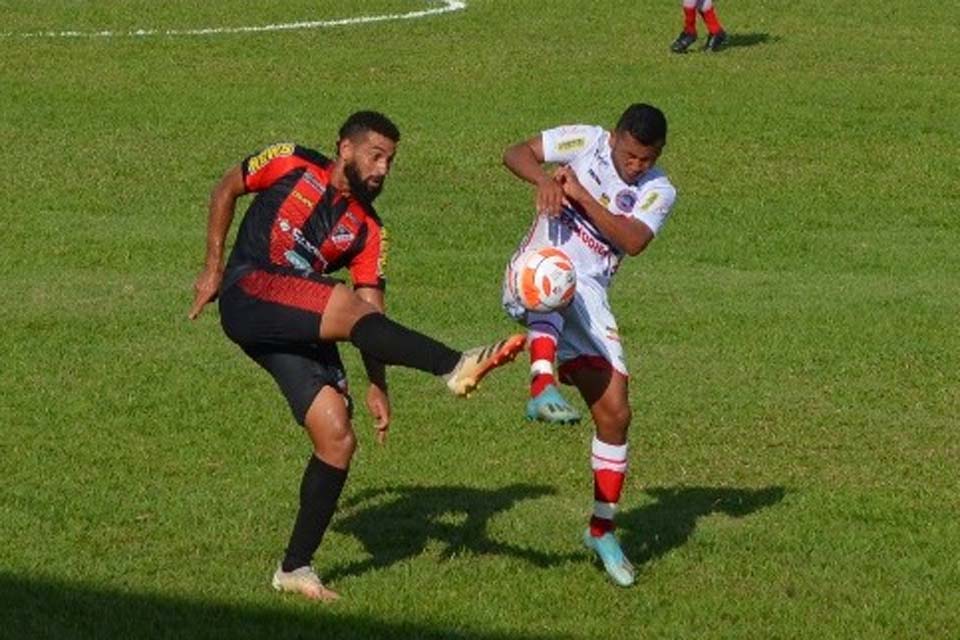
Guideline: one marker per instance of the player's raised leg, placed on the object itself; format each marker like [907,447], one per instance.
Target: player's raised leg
[605,390]
[546,402]
[347,317]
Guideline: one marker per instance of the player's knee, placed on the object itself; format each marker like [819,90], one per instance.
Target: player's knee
[344,442]
[616,419]
[329,428]
[338,443]
[353,305]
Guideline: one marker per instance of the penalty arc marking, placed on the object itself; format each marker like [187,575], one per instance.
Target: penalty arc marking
[448,7]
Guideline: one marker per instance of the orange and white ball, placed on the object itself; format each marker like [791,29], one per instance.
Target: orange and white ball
[543,280]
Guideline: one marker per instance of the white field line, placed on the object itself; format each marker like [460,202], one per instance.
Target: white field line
[448,6]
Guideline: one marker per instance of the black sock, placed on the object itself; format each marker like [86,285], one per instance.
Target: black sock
[392,343]
[319,491]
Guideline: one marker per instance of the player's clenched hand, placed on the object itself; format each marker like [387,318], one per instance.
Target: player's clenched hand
[378,403]
[570,185]
[549,196]
[205,290]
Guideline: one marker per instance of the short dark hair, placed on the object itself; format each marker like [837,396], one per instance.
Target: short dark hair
[646,123]
[364,121]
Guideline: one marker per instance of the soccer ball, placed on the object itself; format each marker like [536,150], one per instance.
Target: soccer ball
[543,280]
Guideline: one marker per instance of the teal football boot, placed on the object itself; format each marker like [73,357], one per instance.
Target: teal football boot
[607,548]
[549,406]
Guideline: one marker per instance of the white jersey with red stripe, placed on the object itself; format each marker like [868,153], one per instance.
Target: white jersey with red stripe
[586,150]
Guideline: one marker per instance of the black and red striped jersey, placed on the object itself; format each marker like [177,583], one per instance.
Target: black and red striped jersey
[299,221]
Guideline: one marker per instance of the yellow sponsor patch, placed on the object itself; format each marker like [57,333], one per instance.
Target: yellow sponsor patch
[653,197]
[604,199]
[572,144]
[302,198]
[260,160]
[382,263]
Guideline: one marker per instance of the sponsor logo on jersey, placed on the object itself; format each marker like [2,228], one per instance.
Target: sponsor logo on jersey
[382,260]
[626,200]
[260,160]
[314,181]
[601,158]
[613,334]
[653,197]
[604,199]
[297,236]
[593,174]
[302,198]
[342,237]
[592,243]
[297,261]
[572,144]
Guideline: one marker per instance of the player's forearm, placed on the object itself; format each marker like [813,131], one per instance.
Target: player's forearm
[218,223]
[524,164]
[223,202]
[630,236]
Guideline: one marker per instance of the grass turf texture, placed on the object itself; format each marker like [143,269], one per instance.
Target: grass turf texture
[792,335]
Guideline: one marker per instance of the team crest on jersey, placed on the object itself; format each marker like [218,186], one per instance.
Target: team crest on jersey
[342,237]
[626,200]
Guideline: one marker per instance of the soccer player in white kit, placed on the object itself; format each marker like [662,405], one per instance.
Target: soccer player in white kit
[606,199]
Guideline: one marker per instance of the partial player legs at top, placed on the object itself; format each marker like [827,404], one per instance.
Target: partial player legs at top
[717,36]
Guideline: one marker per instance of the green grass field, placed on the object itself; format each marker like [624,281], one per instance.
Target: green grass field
[792,334]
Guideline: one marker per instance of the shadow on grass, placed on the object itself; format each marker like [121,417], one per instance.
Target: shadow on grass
[41,609]
[651,531]
[396,523]
[749,39]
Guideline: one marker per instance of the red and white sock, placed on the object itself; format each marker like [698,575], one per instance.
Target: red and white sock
[543,331]
[609,463]
[709,16]
[690,17]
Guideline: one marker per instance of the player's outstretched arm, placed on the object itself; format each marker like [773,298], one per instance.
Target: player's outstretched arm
[223,201]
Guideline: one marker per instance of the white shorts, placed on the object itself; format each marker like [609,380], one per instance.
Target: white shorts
[589,336]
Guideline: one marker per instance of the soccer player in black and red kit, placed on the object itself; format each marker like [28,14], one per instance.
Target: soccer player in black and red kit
[312,216]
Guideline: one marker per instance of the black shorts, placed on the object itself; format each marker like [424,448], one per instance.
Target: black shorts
[275,318]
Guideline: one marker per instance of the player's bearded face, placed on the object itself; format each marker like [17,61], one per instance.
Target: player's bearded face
[366,188]
[368,164]
[632,158]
